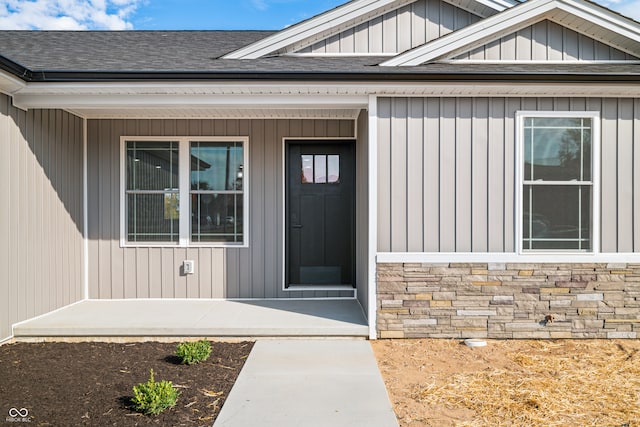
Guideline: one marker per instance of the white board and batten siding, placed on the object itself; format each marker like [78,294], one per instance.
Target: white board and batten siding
[41,214]
[447,172]
[143,272]
[546,41]
[397,31]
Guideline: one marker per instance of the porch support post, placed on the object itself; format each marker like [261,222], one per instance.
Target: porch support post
[85,212]
[373,215]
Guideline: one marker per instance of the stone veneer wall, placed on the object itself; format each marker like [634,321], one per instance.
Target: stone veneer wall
[506,300]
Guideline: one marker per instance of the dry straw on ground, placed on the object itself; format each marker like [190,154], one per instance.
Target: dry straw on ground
[525,383]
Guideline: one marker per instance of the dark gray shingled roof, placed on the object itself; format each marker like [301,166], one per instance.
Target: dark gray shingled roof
[112,55]
[121,50]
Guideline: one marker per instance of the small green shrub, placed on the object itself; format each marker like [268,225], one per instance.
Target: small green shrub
[152,397]
[193,352]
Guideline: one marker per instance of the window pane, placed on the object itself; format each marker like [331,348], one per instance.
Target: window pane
[320,169]
[307,169]
[152,165]
[557,149]
[217,217]
[586,152]
[152,217]
[217,166]
[333,168]
[562,122]
[556,154]
[556,217]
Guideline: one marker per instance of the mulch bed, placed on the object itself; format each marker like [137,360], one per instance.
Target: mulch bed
[90,383]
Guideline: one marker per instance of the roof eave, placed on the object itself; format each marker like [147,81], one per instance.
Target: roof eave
[405,75]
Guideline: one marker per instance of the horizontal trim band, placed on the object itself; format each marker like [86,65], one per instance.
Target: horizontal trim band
[498,257]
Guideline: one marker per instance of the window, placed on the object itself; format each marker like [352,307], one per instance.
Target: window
[557,186]
[216,191]
[320,169]
[184,191]
[152,191]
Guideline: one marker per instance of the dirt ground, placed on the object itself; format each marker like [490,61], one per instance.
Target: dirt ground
[515,383]
[430,382]
[90,384]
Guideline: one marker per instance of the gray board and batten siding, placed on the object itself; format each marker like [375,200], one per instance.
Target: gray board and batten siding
[41,214]
[446,172]
[399,30]
[546,41]
[144,272]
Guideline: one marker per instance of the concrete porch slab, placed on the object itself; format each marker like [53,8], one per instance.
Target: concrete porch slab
[219,318]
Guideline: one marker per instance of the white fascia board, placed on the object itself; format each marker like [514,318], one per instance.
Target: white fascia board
[335,95]
[317,25]
[476,34]
[9,84]
[510,21]
[80,101]
[603,17]
[499,5]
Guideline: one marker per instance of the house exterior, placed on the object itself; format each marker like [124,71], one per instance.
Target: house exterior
[462,168]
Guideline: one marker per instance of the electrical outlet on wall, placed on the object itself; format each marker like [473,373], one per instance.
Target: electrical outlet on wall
[188,266]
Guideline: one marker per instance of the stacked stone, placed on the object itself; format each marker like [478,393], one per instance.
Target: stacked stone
[508,300]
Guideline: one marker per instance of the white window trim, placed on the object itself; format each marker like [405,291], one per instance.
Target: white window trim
[184,186]
[595,178]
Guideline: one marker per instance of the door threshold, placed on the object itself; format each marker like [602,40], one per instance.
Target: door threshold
[320,288]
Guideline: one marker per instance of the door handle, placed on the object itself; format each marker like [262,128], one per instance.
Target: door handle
[296,225]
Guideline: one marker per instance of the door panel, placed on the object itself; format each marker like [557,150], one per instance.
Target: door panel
[320,213]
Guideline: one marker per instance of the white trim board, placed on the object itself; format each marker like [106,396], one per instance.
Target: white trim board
[372,304]
[84,100]
[503,257]
[85,211]
[589,17]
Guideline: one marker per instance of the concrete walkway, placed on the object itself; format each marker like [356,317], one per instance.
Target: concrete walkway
[310,383]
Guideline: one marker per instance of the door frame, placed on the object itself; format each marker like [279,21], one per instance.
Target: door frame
[283,268]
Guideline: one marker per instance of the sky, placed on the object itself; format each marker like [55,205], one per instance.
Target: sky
[182,14]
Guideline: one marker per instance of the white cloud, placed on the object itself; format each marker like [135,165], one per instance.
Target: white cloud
[67,14]
[260,4]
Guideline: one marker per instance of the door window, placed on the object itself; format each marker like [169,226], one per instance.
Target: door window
[320,168]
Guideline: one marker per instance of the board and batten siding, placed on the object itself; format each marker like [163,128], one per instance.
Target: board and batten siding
[399,30]
[252,272]
[447,172]
[41,214]
[546,41]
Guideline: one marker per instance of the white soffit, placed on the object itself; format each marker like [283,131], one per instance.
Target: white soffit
[584,17]
[341,18]
[294,100]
